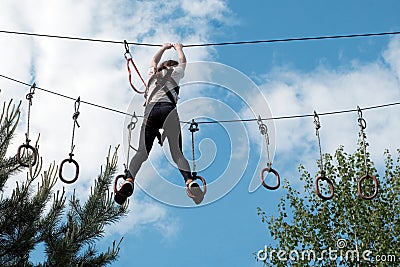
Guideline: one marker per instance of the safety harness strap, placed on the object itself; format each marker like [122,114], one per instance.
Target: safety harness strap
[161,84]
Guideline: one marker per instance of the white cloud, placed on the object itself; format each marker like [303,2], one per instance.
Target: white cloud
[290,92]
[392,55]
[205,8]
[144,214]
[94,71]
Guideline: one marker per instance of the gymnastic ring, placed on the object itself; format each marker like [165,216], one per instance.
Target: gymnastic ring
[362,123]
[76,171]
[330,184]
[376,184]
[116,191]
[203,181]
[278,179]
[34,153]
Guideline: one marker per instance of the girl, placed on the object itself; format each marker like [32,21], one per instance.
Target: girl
[161,113]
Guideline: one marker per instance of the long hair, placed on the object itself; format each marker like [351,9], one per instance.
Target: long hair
[167,63]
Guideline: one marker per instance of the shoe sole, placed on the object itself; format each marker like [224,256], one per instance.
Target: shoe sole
[195,193]
[119,199]
[124,192]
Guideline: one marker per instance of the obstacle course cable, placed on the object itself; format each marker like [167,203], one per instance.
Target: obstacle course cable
[206,44]
[213,121]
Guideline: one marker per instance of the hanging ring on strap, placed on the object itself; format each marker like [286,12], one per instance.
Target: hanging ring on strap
[361,121]
[203,181]
[132,124]
[28,147]
[322,177]
[264,131]
[69,160]
[29,96]
[330,184]
[376,185]
[316,121]
[270,170]
[129,59]
[116,189]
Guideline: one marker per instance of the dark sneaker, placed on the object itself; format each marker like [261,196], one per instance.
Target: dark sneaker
[124,192]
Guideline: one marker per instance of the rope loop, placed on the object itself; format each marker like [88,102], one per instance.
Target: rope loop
[322,177]
[71,154]
[132,124]
[131,127]
[264,131]
[129,60]
[361,121]
[316,121]
[363,125]
[77,113]
[27,146]
[29,96]
[194,127]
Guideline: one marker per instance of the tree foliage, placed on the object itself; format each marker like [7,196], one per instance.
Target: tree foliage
[344,231]
[34,214]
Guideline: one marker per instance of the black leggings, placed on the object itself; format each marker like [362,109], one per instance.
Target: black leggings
[161,115]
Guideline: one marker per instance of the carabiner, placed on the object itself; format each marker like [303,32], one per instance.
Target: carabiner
[194,126]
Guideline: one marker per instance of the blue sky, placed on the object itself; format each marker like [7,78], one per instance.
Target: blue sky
[294,77]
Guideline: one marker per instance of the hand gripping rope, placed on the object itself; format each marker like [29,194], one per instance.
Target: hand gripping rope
[129,59]
[264,131]
[363,125]
[322,177]
[194,127]
[27,146]
[131,127]
[70,159]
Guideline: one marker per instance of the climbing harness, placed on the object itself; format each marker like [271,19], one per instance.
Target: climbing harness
[264,131]
[129,60]
[27,146]
[131,127]
[70,159]
[194,127]
[161,84]
[322,177]
[363,125]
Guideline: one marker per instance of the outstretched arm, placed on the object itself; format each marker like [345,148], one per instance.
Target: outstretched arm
[181,55]
[157,57]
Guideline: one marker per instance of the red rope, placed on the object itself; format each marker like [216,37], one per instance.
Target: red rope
[130,76]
